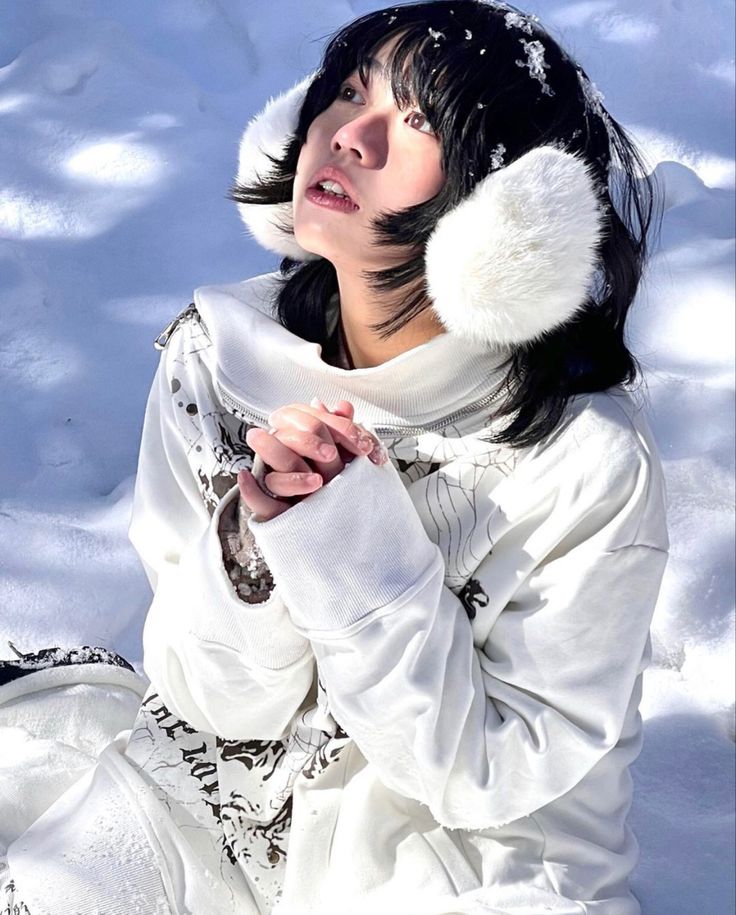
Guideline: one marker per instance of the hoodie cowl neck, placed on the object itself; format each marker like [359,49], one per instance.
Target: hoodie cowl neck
[263,365]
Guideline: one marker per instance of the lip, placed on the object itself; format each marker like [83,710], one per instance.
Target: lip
[330,173]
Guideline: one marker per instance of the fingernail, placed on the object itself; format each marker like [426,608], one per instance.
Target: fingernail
[327,452]
[379,455]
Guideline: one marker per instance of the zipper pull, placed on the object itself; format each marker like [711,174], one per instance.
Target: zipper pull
[163,338]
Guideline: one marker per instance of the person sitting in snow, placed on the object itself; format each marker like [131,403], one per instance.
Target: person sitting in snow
[400,508]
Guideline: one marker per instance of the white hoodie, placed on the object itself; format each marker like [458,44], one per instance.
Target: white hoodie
[478,617]
[434,711]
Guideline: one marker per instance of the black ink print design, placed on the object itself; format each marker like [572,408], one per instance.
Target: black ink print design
[472,597]
[180,764]
[56,657]
[13,904]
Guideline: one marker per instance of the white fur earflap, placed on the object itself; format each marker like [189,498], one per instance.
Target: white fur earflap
[268,132]
[516,258]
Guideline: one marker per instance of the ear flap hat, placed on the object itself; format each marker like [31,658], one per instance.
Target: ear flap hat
[513,260]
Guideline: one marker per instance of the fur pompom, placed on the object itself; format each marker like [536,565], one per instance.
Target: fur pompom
[517,257]
[268,132]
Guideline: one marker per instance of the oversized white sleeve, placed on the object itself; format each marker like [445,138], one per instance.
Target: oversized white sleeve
[488,729]
[225,666]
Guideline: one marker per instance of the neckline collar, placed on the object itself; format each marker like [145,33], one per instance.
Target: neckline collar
[262,365]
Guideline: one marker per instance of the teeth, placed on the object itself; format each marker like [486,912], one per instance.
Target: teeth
[333,187]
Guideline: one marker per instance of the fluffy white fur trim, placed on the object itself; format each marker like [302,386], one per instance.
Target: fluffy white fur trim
[517,257]
[268,132]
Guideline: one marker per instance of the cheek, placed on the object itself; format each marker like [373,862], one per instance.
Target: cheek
[301,165]
[421,180]
[435,180]
[312,153]
[306,165]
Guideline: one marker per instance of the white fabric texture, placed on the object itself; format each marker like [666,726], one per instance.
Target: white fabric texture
[452,652]
[53,724]
[489,755]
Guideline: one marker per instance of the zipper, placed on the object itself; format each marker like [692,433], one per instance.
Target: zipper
[163,338]
[237,406]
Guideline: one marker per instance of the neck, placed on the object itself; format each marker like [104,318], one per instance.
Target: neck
[360,307]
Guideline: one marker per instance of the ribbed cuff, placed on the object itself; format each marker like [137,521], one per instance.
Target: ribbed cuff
[351,547]
[263,631]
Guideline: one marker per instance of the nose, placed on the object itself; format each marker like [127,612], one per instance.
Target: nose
[364,136]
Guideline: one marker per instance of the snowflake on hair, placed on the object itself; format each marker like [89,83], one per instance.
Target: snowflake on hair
[497,154]
[536,64]
[517,21]
[593,99]
[499,4]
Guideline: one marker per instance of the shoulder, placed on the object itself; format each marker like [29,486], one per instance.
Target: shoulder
[606,431]
[248,299]
[601,468]
[218,311]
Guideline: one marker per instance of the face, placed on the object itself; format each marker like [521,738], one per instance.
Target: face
[385,159]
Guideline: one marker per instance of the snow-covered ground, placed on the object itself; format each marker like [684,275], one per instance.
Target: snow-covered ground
[119,128]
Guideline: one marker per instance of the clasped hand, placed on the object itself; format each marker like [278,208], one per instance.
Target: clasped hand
[307,447]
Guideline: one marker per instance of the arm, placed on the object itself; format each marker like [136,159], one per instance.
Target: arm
[488,723]
[222,664]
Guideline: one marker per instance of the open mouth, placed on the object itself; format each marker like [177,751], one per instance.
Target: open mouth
[331,194]
[334,188]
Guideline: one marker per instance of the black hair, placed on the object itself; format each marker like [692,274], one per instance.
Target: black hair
[458,61]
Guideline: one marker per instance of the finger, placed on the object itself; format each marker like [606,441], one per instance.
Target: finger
[330,468]
[344,408]
[276,452]
[264,507]
[378,455]
[317,446]
[286,485]
[283,452]
[308,418]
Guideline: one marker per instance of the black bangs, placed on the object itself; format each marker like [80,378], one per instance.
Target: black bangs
[433,55]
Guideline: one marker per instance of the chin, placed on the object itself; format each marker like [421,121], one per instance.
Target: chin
[312,247]
[317,243]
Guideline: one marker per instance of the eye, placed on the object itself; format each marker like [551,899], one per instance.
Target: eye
[347,88]
[423,122]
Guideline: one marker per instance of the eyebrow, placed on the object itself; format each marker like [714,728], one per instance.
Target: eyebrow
[375,66]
